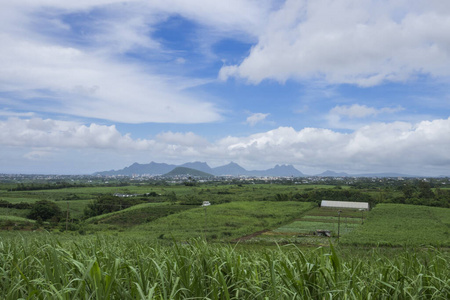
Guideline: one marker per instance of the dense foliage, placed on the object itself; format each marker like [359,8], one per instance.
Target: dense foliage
[423,194]
[44,210]
[20,205]
[108,203]
[45,186]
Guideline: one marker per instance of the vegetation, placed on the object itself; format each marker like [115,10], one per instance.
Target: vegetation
[403,225]
[45,210]
[111,268]
[180,171]
[337,194]
[155,240]
[226,221]
[138,214]
[108,203]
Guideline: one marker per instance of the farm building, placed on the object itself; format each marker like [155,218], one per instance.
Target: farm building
[345,204]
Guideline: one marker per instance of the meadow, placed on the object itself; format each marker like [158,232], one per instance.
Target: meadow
[403,225]
[225,222]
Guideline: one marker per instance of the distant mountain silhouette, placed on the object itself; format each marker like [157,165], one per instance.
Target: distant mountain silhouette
[329,173]
[200,166]
[178,171]
[152,168]
[232,169]
[283,171]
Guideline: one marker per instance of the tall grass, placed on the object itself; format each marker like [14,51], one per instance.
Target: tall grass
[108,268]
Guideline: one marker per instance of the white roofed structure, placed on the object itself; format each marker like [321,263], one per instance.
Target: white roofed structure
[345,204]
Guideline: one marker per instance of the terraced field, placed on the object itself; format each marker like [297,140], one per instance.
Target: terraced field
[386,224]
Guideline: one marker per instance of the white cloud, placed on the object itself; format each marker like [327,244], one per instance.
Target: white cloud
[361,111]
[377,147]
[420,148]
[82,71]
[363,42]
[356,111]
[84,84]
[256,118]
[182,139]
[40,133]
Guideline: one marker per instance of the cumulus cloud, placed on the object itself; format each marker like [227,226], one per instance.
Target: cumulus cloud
[256,118]
[45,133]
[362,42]
[420,148]
[375,147]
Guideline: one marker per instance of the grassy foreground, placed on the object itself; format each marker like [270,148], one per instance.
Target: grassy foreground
[37,266]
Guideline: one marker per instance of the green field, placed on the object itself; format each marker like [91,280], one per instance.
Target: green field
[139,214]
[254,242]
[225,221]
[399,225]
[240,210]
[385,225]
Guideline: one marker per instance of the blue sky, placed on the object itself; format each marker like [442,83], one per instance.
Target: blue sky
[345,85]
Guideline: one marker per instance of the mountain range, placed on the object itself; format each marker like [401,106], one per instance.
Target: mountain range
[231,169]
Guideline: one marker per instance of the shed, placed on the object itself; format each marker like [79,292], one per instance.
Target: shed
[344,204]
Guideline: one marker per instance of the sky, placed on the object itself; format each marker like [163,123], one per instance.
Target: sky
[356,86]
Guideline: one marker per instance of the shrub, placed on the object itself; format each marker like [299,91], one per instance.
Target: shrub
[45,210]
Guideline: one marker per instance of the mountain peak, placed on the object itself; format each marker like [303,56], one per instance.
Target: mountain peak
[231,169]
[329,173]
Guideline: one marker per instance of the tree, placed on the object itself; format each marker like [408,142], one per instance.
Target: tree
[108,203]
[425,190]
[408,191]
[45,210]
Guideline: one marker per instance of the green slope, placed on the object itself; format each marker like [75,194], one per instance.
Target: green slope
[138,214]
[179,171]
[226,221]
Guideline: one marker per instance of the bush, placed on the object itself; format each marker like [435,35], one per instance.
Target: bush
[45,210]
[108,203]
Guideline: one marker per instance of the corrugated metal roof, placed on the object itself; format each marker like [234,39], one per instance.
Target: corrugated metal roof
[345,204]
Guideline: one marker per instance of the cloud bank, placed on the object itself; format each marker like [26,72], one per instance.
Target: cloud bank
[419,148]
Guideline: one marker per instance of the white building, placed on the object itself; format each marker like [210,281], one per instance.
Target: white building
[345,204]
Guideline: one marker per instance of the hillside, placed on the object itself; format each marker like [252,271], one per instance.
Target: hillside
[138,214]
[180,171]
